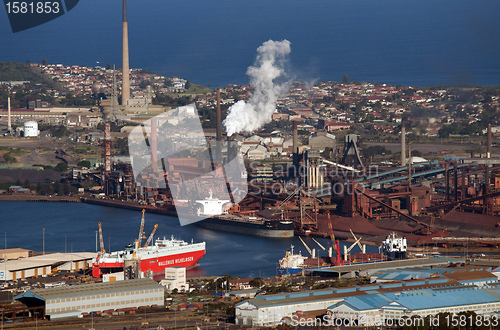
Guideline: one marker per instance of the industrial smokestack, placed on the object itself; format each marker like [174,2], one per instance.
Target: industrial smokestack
[154,152]
[295,140]
[219,118]
[107,148]
[488,142]
[9,122]
[403,143]
[295,152]
[125,64]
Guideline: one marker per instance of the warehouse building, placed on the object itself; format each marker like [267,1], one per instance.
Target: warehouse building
[43,265]
[267,310]
[386,308]
[71,301]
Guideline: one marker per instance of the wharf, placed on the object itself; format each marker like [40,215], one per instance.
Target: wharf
[129,205]
[39,198]
[370,268]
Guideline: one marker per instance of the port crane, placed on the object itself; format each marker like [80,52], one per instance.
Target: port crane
[311,252]
[335,243]
[101,240]
[356,242]
[141,231]
[150,238]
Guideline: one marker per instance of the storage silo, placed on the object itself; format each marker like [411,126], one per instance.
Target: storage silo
[31,129]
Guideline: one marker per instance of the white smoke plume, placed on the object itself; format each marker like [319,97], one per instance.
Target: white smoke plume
[269,65]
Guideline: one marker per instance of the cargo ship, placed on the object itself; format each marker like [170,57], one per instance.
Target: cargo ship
[150,259]
[294,263]
[217,218]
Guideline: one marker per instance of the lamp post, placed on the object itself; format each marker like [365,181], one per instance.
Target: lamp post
[43,240]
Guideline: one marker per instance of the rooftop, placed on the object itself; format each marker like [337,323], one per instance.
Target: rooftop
[90,289]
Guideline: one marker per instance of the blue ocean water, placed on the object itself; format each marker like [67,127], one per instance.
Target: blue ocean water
[411,42]
[72,227]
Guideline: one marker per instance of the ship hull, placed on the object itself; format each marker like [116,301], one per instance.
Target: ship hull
[151,261]
[240,227]
[159,264]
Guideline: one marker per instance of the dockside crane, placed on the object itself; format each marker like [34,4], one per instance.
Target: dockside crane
[311,252]
[150,238]
[101,240]
[335,243]
[141,231]
[356,242]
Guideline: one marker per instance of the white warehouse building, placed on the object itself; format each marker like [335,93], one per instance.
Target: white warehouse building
[71,301]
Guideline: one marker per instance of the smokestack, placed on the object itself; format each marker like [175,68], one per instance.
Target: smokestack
[295,152]
[9,122]
[403,143]
[154,153]
[447,178]
[488,142]
[219,118]
[125,64]
[107,155]
[295,141]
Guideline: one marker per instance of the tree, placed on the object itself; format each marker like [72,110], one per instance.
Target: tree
[84,163]
[44,61]
[61,167]
[345,79]
[28,62]
[108,66]
[256,282]
[187,85]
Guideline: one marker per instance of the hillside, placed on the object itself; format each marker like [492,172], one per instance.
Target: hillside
[13,71]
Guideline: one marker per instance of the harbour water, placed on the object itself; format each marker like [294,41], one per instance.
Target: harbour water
[411,42]
[72,227]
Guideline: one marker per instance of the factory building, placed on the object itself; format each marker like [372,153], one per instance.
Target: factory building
[71,301]
[267,310]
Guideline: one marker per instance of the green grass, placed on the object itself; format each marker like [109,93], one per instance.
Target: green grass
[196,89]
[11,156]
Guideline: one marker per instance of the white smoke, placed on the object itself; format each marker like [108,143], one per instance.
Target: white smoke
[269,65]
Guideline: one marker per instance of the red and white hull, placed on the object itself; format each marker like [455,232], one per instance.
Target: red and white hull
[153,259]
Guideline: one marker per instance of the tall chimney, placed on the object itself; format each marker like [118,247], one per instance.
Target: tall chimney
[125,64]
[154,152]
[219,118]
[9,122]
[295,153]
[403,143]
[295,139]
[488,142]
[107,149]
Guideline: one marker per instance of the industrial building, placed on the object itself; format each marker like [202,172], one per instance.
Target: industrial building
[480,287]
[71,301]
[175,279]
[380,308]
[41,265]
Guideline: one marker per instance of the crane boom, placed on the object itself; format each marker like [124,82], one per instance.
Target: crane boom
[330,228]
[101,240]
[307,247]
[335,243]
[357,240]
[321,246]
[150,238]
[141,230]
